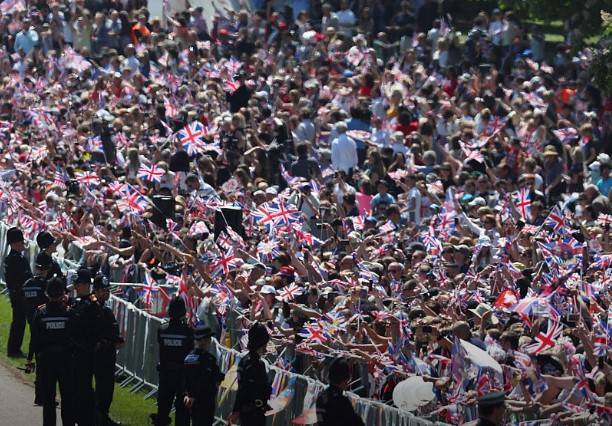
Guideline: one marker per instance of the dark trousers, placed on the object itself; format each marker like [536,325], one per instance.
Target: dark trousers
[104,372]
[15,339]
[54,369]
[82,376]
[37,384]
[171,390]
[203,412]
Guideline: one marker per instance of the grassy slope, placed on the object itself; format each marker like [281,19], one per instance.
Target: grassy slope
[129,408]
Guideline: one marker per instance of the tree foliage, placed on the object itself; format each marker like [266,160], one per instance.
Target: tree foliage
[601,64]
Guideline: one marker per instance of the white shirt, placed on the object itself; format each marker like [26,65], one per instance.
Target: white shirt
[343,153]
[415,215]
[495,32]
[380,137]
[305,131]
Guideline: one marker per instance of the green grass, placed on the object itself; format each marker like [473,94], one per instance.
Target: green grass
[129,408]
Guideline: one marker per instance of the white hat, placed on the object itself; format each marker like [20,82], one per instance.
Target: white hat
[268,289]
[478,201]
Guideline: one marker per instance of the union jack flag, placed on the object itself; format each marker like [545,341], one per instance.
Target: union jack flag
[60,178]
[134,202]
[387,227]
[546,340]
[94,144]
[566,134]
[224,264]
[230,85]
[87,178]
[151,173]
[523,203]
[289,293]
[149,290]
[556,219]
[232,65]
[276,213]
[191,137]
[268,249]
[313,333]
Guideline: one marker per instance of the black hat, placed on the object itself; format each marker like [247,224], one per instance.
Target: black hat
[258,336]
[492,399]
[55,287]
[14,235]
[100,282]
[44,240]
[83,276]
[202,332]
[338,371]
[43,260]
[177,309]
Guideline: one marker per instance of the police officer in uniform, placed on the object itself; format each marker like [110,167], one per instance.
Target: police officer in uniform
[34,296]
[175,342]
[106,354]
[17,272]
[333,408]
[50,342]
[47,244]
[85,317]
[202,379]
[254,387]
[492,409]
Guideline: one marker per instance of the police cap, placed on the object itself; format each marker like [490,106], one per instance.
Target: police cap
[14,235]
[177,309]
[492,399]
[43,260]
[339,371]
[83,276]
[258,336]
[44,240]
[100,282]
[55,287]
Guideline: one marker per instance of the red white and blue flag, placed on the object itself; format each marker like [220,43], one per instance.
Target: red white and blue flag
[151,173]
[192,137]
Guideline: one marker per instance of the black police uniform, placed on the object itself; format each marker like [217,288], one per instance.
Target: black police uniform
[51,344]
[84,333]
[105,358]
[254,390]
[335,409]
[17,272]
[34,296]
[175,342]
[202,379]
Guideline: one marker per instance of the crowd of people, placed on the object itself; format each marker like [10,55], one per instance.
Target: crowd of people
[361,179]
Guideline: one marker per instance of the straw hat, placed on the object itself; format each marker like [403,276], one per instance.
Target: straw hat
[550,151]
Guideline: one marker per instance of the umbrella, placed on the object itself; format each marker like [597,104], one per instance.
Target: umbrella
[480,358]
[412,393]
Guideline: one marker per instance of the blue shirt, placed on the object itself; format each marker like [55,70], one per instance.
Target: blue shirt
[604,185]
[26,40]
[382,199]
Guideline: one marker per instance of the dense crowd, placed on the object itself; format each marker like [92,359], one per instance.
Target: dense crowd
[361,177]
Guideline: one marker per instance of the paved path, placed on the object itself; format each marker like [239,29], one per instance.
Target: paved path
[16,400]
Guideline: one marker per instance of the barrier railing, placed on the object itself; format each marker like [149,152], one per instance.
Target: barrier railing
[137,363]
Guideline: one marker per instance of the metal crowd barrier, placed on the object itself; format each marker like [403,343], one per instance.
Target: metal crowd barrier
[137,364]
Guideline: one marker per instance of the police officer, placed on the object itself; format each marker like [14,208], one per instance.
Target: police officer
[106,354]
[47,244]
[254,387]
[202,379]
[50,342]
[84,333]
[175,342]
[17,272]
[491,409]
[333,408]
[34,295]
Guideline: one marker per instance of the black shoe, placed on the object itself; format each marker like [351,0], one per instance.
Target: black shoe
[17,354]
